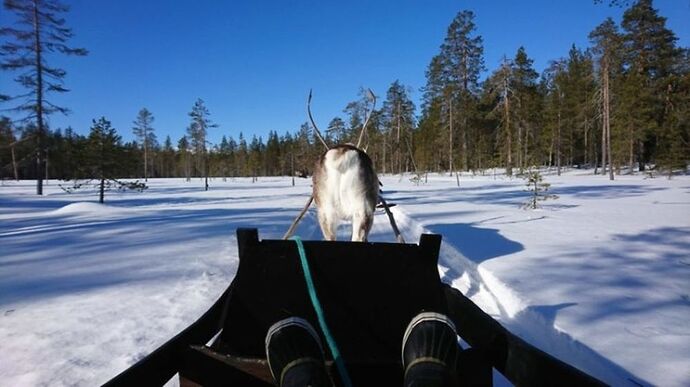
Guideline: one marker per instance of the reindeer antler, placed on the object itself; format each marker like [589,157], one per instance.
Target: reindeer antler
[366,121]
[318,133]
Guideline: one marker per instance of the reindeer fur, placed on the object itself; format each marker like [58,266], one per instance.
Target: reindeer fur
[345,188]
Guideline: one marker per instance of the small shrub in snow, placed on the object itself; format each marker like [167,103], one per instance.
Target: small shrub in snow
[538,188]
[417,178]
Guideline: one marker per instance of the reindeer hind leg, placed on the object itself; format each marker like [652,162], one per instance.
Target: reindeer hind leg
[329,225]
[361,225]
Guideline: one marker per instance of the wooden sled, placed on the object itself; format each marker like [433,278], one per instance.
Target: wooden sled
[369,292]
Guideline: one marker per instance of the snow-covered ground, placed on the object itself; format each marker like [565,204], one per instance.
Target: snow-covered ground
[599,277]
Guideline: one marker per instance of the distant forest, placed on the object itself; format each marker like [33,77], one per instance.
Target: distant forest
[620,105]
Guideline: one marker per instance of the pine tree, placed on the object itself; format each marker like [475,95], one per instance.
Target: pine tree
[272,155]
[538,189]
[357,112]
[527,106]
[606,40]
[336,131]
[501,89]
[554,84]
[650,54]
[197,130]
[436,134]
[104,161]
[8,142]
[185,157]
[674,137]
[42,31]
[303,152]
[578,106]
[145,133]
[451,92]
[462,58]
[242,156]
[168,158]
[398,121]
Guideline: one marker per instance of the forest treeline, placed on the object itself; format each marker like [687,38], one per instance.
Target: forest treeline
[620,105]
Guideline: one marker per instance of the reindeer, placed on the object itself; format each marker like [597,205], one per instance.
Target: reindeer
[345,187]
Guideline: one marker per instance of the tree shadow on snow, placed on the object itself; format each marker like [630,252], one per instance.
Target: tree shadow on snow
[604,191]
[62,255]
[476,243]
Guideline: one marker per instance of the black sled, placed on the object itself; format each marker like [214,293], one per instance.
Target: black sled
[369,293]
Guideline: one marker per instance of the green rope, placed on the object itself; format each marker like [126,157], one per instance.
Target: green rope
[319,314]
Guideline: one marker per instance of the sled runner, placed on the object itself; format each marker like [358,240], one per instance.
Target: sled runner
[368,293]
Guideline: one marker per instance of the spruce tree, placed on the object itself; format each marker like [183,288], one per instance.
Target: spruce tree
[40,32]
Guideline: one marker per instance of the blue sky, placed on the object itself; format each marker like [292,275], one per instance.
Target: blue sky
[253,62]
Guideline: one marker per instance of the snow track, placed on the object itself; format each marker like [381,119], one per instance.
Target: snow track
[505,305]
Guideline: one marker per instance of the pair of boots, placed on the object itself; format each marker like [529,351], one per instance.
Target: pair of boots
[429,352]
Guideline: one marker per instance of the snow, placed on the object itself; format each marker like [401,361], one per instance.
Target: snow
[599,277]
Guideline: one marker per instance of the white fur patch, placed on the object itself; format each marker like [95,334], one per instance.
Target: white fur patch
[345,191]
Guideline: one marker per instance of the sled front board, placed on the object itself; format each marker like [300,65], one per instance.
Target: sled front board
[369,292]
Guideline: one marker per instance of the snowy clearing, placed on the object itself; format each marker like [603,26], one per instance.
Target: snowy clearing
[598,277]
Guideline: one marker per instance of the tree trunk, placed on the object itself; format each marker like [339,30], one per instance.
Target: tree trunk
[603,129]
[39,100]
[520,162]
[384,153]
[509,135]
[631,154]
[188,167]
[101,191]
[607,122]
[205,170]
[558,138]
[46,167]
[465,164]
[14,164]
[146,160]
[397,145]
[450,140]
[525,157]
[551,146]
[640,156]
[586,158]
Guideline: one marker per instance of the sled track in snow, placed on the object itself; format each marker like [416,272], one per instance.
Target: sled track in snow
[505,305]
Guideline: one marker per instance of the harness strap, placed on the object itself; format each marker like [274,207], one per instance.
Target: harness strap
[340,364]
